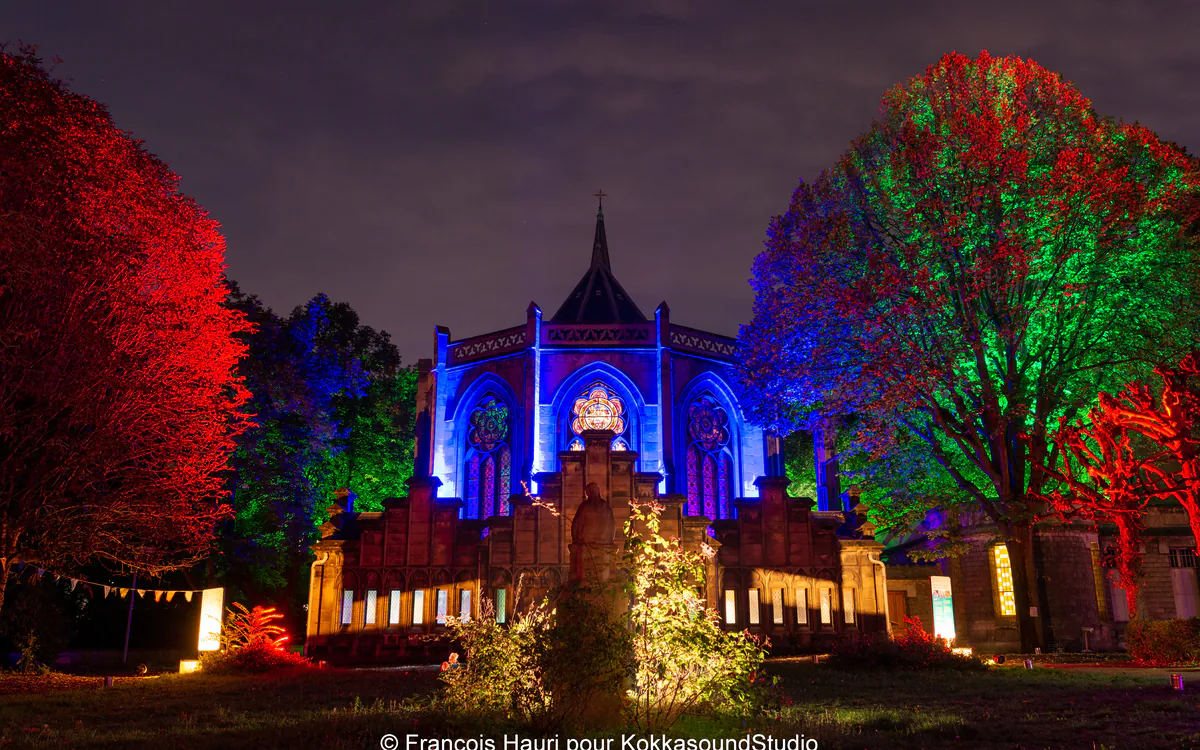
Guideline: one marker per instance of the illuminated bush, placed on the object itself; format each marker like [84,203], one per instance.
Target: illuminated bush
[252,642]
[913,649]
[542,670]
[1164,643]
[666,655]
[684,661]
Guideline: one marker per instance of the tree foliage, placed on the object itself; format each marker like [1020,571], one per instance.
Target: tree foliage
[119,400]
[988,257]
[332,409]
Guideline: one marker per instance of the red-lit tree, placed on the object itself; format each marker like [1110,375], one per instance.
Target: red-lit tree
[985,260]
[1172,420]
[118,401]
[1106,471]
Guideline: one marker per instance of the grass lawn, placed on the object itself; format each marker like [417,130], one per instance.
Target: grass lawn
[350,709]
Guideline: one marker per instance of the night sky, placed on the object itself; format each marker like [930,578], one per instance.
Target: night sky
[434,162]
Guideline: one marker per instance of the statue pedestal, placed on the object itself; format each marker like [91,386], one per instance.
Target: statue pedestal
[595,596]
[593,564]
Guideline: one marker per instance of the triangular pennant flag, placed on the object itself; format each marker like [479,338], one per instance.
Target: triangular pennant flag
[123,592]
[169,595]
[158,596]
[187,595]
[74,583]
[41,572]
[107,591]
[142,593]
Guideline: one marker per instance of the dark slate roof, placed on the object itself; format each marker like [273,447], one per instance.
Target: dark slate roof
[599,297]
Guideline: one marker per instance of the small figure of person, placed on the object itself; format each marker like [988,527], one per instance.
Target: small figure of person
[451,662]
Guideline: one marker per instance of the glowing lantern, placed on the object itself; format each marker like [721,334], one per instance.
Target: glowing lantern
[187,666]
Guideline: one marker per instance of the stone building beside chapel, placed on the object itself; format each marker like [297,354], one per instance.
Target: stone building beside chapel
[514,424]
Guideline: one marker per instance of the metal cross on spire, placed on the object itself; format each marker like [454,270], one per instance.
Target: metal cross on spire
[601,195]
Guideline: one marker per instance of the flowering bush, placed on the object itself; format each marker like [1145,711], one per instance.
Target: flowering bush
[913,649]
[252,643]
[1165,642]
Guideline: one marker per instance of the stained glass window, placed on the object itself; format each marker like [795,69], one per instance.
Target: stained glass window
[489,462]
[504,480]
[600,409]
[620,445]
[708,458]
[576,444]
[693,480]
[488,501]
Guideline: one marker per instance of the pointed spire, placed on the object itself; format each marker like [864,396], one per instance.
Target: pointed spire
[600,243]
[598,297]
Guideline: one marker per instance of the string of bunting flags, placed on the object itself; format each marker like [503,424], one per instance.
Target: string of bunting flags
[159,594]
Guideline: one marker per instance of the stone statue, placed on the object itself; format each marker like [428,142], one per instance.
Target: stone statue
[594,522]
[593,529]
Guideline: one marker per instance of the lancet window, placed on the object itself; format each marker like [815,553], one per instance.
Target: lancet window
[489,460]
[709,462]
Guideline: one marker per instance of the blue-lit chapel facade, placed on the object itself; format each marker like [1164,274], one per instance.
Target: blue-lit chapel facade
[514,425]
[506,403]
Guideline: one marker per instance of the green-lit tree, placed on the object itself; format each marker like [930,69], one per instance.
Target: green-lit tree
[988,257]
[332,409]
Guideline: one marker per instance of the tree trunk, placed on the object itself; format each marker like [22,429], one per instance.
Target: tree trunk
[1130,558]
[1024,575]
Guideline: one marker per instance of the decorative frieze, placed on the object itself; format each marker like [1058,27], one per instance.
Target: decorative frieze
[702,342]
[598,335]
[482,347]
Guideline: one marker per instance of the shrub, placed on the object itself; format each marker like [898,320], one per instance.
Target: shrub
[684,660]
[252,642]
[667,655]
[1164,642]
[913,649]
[544,669]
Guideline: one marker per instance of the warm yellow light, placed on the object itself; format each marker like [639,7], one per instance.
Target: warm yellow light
[187,666]
[1004,581]
[963,650]
[210,619]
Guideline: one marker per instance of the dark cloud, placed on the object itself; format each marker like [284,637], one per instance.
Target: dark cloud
[433,162]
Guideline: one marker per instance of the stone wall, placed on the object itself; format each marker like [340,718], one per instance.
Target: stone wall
[913,582]
[419,552]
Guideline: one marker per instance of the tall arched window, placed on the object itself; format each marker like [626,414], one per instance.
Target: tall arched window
[708,460]
[599,408]
[489,460]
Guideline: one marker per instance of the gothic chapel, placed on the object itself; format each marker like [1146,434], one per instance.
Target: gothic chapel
[598,392]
